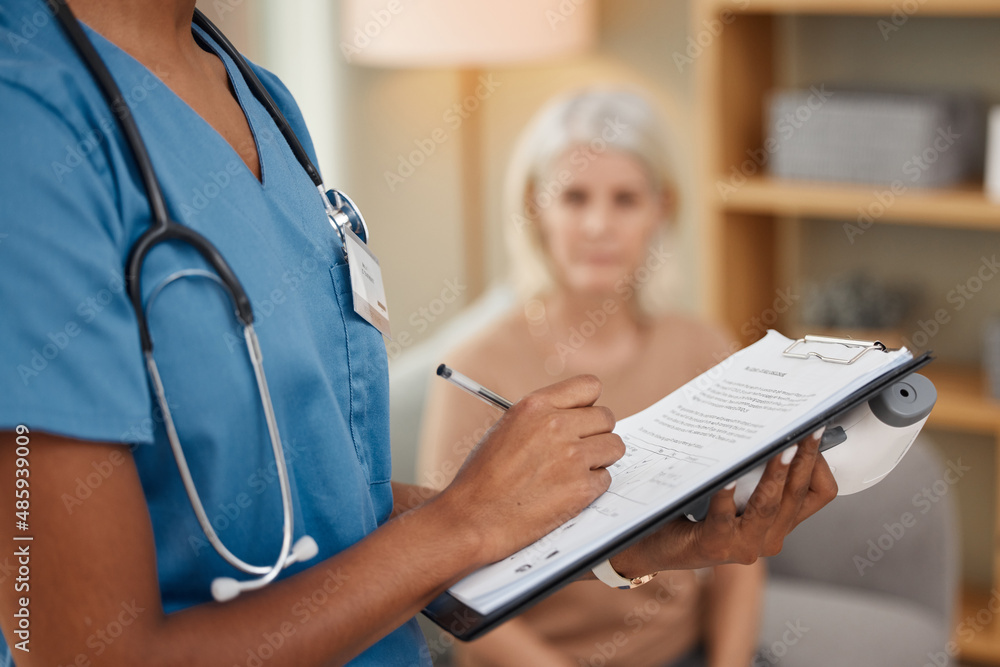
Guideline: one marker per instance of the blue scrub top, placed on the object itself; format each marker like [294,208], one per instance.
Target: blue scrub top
[72,205]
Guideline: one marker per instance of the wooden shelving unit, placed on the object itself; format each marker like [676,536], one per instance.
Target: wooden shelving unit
[746,234]
[966,207]
[963,404]
[854,7]
[981,644]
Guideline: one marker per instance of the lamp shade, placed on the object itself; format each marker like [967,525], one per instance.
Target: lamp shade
[464,33]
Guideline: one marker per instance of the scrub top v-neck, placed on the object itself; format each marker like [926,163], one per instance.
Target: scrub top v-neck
[70,364]
[243,147]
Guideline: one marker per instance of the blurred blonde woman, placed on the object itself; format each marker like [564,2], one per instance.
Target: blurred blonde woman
[590,198]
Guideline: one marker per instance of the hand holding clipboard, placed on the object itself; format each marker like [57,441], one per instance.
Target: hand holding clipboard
[686,449]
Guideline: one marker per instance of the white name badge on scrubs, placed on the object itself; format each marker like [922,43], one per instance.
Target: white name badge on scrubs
[366,283]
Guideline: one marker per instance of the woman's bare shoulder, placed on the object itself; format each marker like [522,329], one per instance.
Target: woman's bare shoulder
[698,340]
[681,327]
[496,346]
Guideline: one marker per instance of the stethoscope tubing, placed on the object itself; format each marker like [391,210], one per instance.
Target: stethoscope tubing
[162,230]
[171,231]
[260,92]
[256,361]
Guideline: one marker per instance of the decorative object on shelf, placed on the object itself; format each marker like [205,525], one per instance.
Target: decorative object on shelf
[993,156]
[991,354]
[858,305]
[907,140]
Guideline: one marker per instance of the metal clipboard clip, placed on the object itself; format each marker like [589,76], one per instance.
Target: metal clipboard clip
[865,345]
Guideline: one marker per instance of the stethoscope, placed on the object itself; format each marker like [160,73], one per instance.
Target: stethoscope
[340,210]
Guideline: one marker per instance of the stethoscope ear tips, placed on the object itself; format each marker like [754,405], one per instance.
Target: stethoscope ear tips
[225,589]
[304,549]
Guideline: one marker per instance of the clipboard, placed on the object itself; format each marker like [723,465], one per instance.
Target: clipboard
[466,623]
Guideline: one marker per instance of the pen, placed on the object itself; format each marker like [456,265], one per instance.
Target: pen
[473,387]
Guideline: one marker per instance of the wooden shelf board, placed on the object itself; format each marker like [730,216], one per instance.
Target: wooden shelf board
[965,206]
[977,643]
[858,7]
[963,403]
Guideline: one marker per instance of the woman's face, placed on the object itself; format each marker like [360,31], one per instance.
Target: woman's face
[597,214]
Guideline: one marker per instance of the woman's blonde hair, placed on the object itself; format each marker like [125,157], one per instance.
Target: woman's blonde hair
[593,121]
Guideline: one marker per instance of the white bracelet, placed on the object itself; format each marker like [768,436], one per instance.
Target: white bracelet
[608,575]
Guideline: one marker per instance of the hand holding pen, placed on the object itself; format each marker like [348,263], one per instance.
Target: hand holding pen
[541,463]
[536,438]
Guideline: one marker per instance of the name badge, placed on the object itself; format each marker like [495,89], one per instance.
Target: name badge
[366,283]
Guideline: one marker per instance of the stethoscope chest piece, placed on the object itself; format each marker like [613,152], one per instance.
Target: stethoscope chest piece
[343,212]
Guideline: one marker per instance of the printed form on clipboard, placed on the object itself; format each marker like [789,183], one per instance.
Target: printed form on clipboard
[687,440]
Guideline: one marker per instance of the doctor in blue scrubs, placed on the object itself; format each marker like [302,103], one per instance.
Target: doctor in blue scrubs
[118,570]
